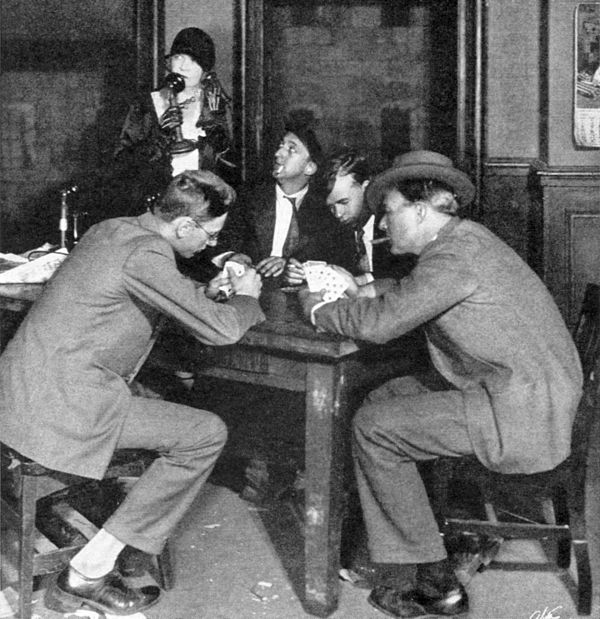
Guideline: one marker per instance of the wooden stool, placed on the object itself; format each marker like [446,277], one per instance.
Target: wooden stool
[24,482]
[560,493]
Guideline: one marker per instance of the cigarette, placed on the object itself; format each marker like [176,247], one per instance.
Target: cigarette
[380,241]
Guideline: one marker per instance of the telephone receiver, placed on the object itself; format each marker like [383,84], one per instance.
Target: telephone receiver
[175,83]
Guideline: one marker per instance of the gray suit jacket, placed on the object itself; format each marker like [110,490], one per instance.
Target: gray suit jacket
[494,332]
[63,393]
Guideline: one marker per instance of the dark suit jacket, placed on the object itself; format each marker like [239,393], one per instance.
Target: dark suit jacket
[251,223]
[384,263]
[63,390]
[494,332]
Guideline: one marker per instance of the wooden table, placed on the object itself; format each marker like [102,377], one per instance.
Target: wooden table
[287,353]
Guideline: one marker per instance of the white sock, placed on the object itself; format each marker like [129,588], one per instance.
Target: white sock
[98,556]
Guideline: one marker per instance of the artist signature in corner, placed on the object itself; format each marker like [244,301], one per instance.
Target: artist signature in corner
[547,613]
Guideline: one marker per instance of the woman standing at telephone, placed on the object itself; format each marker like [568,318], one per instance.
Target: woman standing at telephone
[182,126]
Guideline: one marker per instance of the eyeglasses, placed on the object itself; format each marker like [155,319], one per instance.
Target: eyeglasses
[212,236]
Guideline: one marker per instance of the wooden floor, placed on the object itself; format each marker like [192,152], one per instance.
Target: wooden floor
[235,559]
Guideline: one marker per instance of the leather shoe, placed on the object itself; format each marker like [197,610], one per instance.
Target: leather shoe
[133,563]
[107,594]
[415,603]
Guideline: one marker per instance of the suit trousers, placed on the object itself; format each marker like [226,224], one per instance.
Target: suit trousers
[406,420]
[189,442]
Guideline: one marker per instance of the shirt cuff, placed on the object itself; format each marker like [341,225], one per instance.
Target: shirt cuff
[364,278]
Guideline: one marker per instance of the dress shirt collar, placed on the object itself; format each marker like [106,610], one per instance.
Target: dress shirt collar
[299,195]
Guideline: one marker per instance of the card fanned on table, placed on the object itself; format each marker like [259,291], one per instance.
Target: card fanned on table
[320,276]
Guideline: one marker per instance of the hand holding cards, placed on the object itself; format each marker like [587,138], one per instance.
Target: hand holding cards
[237,268]
[248,284]
[320,276]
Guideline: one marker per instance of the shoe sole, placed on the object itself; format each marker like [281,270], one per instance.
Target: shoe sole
[374,604]
[62,602]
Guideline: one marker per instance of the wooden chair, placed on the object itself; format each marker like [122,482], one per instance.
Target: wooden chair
[27,486]
[560,492]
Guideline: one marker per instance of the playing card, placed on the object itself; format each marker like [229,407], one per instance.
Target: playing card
[314,271]
[237,268]
[320,276]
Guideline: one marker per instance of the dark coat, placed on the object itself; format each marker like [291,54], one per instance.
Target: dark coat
[250,227]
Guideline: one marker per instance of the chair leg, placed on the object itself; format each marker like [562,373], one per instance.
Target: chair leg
[27,507]
[441,475]
[563,554]
[165,568]
[584,578]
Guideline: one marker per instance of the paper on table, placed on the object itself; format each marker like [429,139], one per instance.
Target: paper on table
[35,271]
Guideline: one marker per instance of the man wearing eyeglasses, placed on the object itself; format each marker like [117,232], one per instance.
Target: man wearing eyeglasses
[64,396]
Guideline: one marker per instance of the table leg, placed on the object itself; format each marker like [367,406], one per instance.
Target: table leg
[326,418]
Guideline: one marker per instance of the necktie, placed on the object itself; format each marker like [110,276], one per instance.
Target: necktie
[293,236]
[362,258]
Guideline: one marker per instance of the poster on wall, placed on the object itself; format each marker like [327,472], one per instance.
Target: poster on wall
[587,71]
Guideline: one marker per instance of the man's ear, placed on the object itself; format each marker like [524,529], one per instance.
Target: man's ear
[310,168]
[183,227]
[365,184]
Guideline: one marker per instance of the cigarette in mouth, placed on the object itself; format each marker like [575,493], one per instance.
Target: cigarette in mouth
[380,241]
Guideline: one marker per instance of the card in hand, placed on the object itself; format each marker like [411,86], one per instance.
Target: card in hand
[237,268]
[320,276]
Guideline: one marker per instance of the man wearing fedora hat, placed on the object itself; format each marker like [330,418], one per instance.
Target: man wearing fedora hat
[505,380]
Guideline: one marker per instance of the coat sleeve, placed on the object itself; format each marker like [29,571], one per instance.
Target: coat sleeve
[151,276]
[440,280]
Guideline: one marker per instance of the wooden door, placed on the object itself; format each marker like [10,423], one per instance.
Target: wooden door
[379,76]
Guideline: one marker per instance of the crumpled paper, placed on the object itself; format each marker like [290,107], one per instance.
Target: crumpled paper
[32,271]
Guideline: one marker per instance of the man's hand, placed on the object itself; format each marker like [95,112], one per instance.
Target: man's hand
[212,290]
[294,272]
[172,117]
[351,285]
[249,283]
[271,266]
[308,300]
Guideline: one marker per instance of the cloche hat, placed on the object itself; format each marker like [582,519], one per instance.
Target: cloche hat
[197,44]
[426,165]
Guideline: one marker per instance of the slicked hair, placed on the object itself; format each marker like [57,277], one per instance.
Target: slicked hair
[186,192]
[348,162]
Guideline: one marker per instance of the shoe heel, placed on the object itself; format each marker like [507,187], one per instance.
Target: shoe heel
[57,601]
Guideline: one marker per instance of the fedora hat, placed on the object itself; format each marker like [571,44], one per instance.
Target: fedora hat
[426,165]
